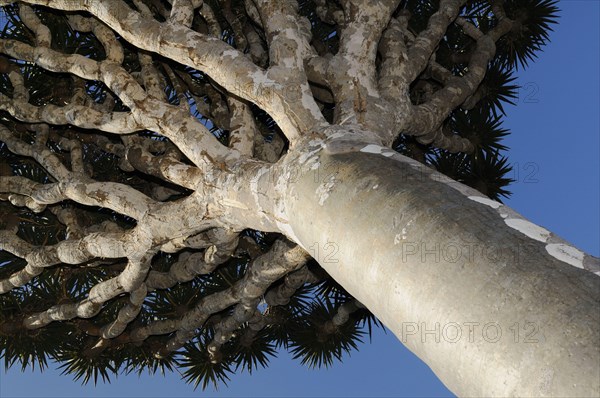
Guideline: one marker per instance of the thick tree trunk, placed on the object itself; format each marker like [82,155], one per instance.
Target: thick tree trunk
[494,304]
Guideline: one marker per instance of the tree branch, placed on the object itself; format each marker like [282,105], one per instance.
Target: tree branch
[428,117]
[426,41]
[115,196]
[130,280]
[173,122]
[75,251]
[228,67]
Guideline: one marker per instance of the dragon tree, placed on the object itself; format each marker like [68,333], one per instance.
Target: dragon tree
[193,185]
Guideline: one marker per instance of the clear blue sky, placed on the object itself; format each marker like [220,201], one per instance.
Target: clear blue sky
[554,147]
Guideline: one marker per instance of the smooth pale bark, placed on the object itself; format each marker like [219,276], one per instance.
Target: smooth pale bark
[448,270]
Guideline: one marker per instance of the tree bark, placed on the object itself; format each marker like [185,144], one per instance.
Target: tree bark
[494,304]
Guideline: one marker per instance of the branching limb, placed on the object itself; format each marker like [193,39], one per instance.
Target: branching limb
[112,48]
[118,197]
[352,73]
[219,249]
[177,87]
[288,37]
[345,310]
[331,13]
[291,282]
[173,122]
[70,218]
[43,36]
[182,12]
[126,314]
[358,47]
[257,51]
[242,127]
[288,34]
[278,296]
[187,268]
[241,124]
[426,41]
[38,150]
[262,275]
[75,186]
[75,251]
[228,67]
[128,281]
[76,151]
[76,115]
[165,167]
[428,117]
[392,48]
[316,69]
[151,77]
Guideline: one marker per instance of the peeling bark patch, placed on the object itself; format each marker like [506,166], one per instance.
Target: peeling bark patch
[400,237]
[254,189]
[234,203]
[403,235]
[315,147]
[373,149]
[231,54]
[566,253]
[378,150]
[528,228]
[488,202]
[337,146]
[324,189]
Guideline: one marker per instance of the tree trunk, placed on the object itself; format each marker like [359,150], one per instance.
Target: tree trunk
[494,304]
